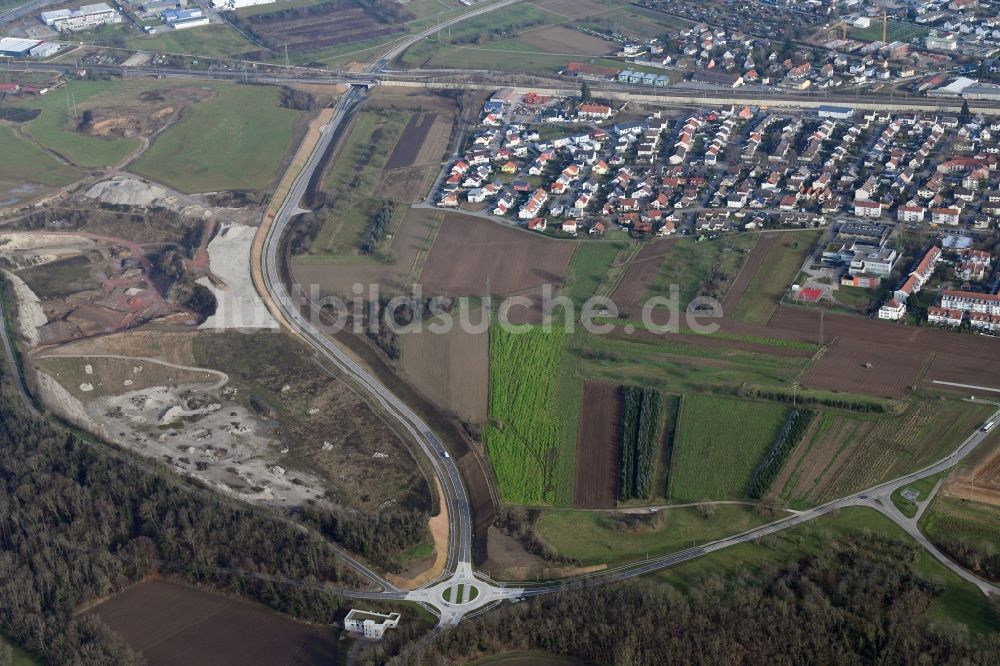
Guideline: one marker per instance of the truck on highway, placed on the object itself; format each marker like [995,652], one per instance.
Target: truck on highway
[989,426]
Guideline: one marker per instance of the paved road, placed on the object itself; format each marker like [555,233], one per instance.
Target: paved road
[11,15]
[8,349]
[380,73]
[876,497]
[459,562]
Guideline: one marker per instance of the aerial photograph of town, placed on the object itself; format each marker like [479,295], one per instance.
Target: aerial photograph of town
[511,332]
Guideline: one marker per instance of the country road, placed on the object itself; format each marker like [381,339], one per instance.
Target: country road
[290,312]
[8,349]
[459,567]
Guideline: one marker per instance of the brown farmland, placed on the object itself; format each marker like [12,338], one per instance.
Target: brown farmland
[408,147]
[597,441]
[963,370]
[317,27]
[739,287]
[471,254]
[170,623]
[853,365]
[453,369]
[560,39]
[414,163]
[640,276]
[982,482]
[574,8]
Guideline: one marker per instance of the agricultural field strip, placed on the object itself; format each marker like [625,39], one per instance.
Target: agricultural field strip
[861,498]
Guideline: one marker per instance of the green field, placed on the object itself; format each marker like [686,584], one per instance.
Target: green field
[24,161]
[896,31]
[593,537]
[959,601]
[588,270]
[774,277]
[234,141]
[855,299]
[719,443]
[50,129]
[849,452]
[217,40]
[675,364]
[478,28]
[527,431]
[705,268]
[922,488]
[967,531]
[353,179]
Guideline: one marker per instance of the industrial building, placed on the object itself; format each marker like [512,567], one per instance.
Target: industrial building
[372,625]
[44,50]
[11,47]
[838,112]
[178,19]
[228,5]
[84,18]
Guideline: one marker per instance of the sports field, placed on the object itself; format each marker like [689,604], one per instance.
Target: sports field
[235,141]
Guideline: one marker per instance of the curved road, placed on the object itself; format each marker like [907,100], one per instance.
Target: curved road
[459,563]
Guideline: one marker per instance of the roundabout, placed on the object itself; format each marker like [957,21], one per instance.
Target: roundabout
[460,594]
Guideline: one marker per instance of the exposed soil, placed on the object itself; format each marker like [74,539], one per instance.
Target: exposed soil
[143,116]
[852,365]
[452,369]
[560,39]
[749,271]
[473,255]
[963,370]
[320,27]
[174,624]
[406,150]
[979,484]
[597,443]
[640,276]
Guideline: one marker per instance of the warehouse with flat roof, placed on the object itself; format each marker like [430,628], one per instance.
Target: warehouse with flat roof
[12,47]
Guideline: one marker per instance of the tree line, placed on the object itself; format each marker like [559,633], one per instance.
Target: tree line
[640,423]
[79,522]
[857,601]
[796,422]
